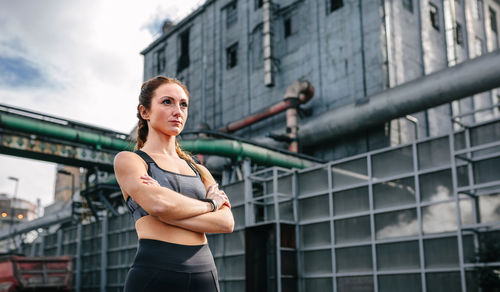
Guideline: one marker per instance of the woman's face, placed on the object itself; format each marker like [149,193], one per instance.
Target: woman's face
[169,109]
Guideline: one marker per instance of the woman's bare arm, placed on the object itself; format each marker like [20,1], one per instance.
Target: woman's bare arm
[158,201]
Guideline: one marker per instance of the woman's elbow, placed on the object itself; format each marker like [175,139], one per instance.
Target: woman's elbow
[228,225]
[161,209]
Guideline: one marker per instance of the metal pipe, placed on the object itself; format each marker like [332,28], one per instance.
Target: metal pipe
[239,150]
[463,80]
[38,127]
[300,88]
[267,43]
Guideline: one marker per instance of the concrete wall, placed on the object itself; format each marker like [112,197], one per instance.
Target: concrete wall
[348,54]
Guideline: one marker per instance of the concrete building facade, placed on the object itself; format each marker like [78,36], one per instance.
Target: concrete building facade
[349,50]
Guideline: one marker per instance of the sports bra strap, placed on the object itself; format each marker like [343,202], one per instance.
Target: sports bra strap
[150,160]
[145,156]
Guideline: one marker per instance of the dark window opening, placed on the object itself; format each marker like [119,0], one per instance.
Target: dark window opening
[232,56]
[231,14]
[498,102]
[159,61]
[258,4]
[459,37]
[336,4]
[493,20]
[183,61]
[288,27]
[408,4]
[434,14]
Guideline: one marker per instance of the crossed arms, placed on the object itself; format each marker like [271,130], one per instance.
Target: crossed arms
[169,206]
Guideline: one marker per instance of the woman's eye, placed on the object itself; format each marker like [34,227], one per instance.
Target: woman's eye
[184,104]
[166,101]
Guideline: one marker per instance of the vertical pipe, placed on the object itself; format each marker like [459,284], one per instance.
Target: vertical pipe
[248,49]
[267,42]
[249,214]
[278,229]
[422,60]
[457,208]
[419,216]
[332,227]
[373,230]
[362,40]
[292,123]
[320,68]
[104,253]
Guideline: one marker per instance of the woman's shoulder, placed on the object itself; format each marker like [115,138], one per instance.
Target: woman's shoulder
[126,158]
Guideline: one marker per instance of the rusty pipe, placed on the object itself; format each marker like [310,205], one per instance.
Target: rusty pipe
[300,89]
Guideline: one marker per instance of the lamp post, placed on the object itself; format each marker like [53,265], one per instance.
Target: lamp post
[12,205]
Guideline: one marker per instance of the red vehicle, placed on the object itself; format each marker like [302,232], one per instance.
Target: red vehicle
[46,273]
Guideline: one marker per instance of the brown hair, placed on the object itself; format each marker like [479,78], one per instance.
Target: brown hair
[147,90]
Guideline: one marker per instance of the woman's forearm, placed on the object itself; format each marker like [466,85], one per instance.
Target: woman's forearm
[221,221]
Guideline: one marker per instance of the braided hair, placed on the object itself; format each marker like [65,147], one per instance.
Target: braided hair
[147,90]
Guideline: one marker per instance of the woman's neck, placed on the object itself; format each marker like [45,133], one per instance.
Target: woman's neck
[160,144]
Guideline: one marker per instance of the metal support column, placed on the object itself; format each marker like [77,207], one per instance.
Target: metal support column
[78,270]
[104,253]
[59,242]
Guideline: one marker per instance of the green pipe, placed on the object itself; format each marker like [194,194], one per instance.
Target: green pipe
[221,147]
[38,127]
[238,150]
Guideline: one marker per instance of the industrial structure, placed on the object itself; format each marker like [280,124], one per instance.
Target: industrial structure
[358,142]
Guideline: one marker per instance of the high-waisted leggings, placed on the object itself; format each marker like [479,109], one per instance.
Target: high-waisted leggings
[162,266]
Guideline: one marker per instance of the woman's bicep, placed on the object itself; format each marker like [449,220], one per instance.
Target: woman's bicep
[128,170]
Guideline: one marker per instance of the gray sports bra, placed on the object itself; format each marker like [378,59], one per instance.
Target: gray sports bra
[188,185]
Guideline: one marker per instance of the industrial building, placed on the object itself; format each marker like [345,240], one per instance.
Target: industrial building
[390,181]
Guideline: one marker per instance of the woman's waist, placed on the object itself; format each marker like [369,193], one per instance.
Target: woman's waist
[151,228]
[159,254]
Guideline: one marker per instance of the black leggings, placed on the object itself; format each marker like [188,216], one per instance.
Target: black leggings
[162,266]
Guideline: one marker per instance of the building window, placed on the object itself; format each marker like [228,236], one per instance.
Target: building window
[459,37]
[477,7]
[408,4]
[493,21]
[335,4]
[232,56]
[159,61]
[231,14]
[258,4]
[434,14]
[183,61]
[478,47]
[287,27]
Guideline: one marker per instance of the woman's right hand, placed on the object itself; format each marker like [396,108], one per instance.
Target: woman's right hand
[219,196]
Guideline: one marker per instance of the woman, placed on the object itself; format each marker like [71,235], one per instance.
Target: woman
[173,200]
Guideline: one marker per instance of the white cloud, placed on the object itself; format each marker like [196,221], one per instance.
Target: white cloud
[88,53]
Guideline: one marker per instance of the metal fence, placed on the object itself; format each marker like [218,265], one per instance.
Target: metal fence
[416,217]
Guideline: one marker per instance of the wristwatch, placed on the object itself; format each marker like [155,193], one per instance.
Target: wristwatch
[214,204]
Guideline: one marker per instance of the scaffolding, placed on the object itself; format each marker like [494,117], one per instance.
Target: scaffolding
[415,217]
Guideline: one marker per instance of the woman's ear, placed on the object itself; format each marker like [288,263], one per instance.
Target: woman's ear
[144,112]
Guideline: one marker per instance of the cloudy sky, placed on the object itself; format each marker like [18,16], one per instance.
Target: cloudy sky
[78,60]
